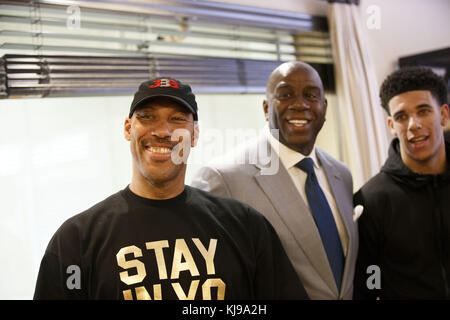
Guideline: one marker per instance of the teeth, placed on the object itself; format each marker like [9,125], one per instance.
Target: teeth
[418,139]
[160,150]
[298,123]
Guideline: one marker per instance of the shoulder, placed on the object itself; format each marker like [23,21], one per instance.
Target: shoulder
[223,208]
[378,185]
[376,196]
[227,167]
[224,179]
[213,201]
[242,160]
[325,156]
[76,229]
[335,166]
[101,211]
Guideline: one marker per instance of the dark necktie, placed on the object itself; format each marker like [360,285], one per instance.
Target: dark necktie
[324,220]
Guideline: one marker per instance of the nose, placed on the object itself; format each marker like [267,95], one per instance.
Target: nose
[414,123]
[161,129]
[300,103]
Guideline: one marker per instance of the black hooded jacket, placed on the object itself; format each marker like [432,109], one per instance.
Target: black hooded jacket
[405,231]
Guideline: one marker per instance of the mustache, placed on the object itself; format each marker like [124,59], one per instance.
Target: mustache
[295,112]
[159,141]
[169,141]
[178,136]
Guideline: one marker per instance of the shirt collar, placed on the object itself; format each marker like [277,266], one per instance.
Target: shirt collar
[289,157]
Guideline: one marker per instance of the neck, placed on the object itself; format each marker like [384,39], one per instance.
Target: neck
[158,190]
[436,164]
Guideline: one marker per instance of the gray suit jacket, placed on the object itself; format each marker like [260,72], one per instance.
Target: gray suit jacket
[276,197]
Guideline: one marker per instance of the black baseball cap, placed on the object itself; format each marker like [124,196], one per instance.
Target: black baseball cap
[165,87]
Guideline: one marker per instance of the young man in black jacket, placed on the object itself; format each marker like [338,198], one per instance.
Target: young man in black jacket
[404,250]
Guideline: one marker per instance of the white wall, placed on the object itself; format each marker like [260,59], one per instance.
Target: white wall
[57,158]
[407,27]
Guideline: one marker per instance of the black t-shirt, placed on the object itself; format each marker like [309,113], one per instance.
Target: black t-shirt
[193,246]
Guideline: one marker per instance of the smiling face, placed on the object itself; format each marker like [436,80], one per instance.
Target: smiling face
[296,105]
[418,120]
[150,131]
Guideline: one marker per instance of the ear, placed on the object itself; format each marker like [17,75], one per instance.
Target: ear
[445,114]
[127,129]
[196,135]
[266,109]
[390,123]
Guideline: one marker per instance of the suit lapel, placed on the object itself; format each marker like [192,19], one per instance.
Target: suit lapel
[295,214]
[339,191]
[345,207]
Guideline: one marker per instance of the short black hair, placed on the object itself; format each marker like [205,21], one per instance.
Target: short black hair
[409,79]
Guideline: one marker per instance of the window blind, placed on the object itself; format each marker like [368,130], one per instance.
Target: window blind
[98,47]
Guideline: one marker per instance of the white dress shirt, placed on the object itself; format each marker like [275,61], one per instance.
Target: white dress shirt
[289,158]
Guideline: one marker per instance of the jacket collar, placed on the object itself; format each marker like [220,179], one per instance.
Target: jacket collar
[396,168]
[289,157]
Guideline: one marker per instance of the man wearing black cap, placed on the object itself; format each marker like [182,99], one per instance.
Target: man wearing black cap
[158,238]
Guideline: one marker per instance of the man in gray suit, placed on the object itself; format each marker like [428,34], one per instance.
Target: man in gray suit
[308,197]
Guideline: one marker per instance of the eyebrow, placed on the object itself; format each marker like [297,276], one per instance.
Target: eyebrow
[153,108]
[423,105]
[398,113]
[420,106]
[308,87]
[145,108]
[282,86]
[313,87]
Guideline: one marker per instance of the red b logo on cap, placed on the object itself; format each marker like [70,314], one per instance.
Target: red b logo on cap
[165,83]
